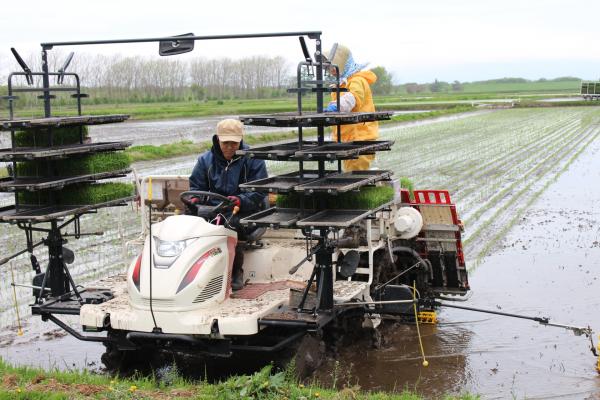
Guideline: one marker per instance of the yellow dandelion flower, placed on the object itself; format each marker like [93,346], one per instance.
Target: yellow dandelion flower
[132,388]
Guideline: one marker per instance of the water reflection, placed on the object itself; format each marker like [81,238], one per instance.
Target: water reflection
[398,364]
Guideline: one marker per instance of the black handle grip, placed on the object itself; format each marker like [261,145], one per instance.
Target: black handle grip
[60,78]
[305,49]
[24,66]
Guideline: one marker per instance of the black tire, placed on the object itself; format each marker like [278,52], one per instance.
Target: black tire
[310,354]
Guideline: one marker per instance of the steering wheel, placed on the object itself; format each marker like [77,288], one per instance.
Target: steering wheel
[186,198]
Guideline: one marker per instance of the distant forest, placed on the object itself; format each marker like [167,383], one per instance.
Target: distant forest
[135,79]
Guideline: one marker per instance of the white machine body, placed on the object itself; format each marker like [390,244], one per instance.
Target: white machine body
[191,262]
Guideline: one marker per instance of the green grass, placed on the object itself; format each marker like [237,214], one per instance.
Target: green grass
[455,109]
[546,104]
[495,89]
[176,110]
[516,87]
[187,147]
[33,383]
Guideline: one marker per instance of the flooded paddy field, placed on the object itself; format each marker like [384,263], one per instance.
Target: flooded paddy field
[524,183]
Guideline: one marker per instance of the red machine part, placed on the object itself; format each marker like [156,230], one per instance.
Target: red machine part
[442,197]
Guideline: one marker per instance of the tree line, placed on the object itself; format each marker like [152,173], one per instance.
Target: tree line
[149,79]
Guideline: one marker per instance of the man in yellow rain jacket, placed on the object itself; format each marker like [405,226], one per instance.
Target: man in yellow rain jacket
[358,99]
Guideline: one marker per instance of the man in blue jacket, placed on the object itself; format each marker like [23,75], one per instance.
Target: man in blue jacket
[219,170]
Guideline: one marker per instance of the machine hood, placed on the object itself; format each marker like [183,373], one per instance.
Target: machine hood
[181,227]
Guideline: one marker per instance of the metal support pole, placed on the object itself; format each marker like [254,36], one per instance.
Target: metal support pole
[46,84]
[59,283]
[325,278]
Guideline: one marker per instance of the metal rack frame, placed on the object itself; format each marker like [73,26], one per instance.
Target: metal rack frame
[56,285]
[317,182]
[319,246]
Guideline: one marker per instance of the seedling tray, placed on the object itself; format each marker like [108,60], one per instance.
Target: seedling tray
[282,183]
[275,218]
[345,150]
[49,213]
[280,151]
[345,182]
[314,119]
[61,121]
[32,153]
[334,218]
[337,218]
[33,184]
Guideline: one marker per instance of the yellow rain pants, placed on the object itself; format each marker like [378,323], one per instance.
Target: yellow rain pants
[359,85]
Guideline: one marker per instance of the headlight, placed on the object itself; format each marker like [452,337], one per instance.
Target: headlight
[166,248]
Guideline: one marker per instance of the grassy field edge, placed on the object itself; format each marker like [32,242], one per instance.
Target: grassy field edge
[34,383]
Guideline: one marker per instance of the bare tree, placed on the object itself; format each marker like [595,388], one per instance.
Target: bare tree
[134,78]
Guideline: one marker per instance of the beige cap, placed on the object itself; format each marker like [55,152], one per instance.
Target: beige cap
[230,130]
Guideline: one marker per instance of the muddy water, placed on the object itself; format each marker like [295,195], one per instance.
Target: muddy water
[161,132]
[547,266]
[158,132]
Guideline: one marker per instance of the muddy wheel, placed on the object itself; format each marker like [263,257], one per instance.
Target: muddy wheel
[124,362]
[310,354]
[127,362]
[377,338]
[112,358]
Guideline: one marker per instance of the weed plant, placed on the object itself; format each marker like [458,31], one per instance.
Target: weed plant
[33,383]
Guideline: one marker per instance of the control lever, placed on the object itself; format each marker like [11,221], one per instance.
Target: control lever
[295,268]
[61,72]
[28,74]
[307,56]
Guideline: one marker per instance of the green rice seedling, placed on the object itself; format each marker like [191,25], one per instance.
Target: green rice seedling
[33,198]
[78,194]
[93,164]
[90,164]
[407,183]
[96,193]
[293,200]
[39,137]
[366,198]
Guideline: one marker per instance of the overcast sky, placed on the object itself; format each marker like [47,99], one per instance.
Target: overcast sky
[418,41]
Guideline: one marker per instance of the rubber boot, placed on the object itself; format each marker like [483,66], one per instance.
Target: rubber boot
[237,279]
[237,274]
